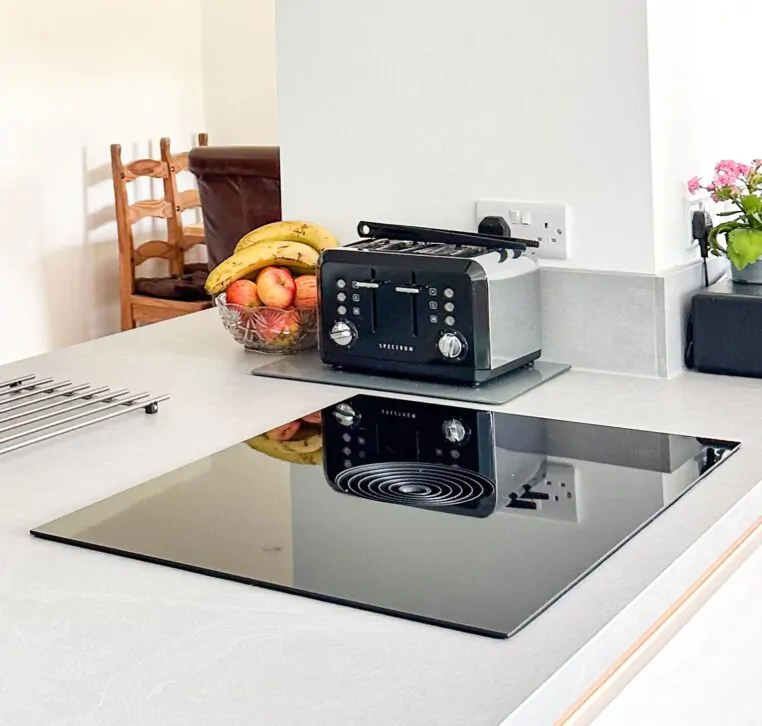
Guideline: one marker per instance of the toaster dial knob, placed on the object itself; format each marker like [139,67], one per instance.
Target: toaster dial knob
[454,431]
[451,346]
[343,333]
[346,415]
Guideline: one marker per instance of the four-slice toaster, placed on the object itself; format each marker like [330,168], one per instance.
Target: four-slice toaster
[436,304]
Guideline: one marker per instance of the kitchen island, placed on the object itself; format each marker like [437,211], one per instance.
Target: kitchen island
[87,638]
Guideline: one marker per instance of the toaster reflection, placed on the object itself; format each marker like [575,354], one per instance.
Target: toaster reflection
[478,463]
[425,455]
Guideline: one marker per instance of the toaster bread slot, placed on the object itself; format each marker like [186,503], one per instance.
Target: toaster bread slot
[394,311]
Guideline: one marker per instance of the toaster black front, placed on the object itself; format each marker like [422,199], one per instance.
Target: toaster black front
[387,316]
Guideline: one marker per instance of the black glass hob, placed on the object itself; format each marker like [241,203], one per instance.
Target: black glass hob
[462,518]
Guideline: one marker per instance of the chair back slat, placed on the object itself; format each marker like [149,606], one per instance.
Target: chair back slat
[157,208]
[155,249]
[145,167]
[179,162]
[188,199]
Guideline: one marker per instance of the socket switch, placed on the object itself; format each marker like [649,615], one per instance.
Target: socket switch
[544,222]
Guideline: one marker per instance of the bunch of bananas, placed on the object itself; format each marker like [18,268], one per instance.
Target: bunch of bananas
[294,245]
[307,451]
[297,442]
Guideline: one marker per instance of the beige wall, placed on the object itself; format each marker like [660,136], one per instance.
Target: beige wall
[76,77]
[240,94]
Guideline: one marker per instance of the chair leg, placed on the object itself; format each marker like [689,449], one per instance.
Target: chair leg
[127,318]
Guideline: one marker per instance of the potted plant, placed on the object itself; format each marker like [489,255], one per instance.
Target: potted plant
[739,236]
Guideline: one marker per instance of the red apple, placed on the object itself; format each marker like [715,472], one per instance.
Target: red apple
[306,292]
[243,293]
[313,418]
[285,432]
[276,287]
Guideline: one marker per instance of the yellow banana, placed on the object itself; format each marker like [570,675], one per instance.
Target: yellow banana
[307,445]
[277,450]
[307,233]
[296,256]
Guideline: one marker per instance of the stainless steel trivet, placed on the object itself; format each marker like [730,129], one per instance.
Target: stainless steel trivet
[36,409]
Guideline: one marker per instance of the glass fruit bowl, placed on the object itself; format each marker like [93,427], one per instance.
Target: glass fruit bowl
[269,330]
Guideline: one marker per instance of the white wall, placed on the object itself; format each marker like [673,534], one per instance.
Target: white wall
[76,77]
[703,106]
[411,111]
[240,85]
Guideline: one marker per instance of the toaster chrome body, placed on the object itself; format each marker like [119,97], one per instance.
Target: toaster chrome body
[455,311]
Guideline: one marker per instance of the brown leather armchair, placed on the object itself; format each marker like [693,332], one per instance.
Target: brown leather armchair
[240,191]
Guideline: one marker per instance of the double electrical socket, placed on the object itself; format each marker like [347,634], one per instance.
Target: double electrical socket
[553,495]
[543,222]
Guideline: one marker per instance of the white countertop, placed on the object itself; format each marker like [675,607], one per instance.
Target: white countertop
[91,639]
[711,669]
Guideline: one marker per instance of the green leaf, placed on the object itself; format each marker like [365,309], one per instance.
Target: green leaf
[751,203]
[728,214]
[728,226]
[744,246]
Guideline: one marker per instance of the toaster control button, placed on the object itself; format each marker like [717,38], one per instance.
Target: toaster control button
[433,319]
[341,297]
[341,310]
[449,307]
[449,292]
[450,320]
[343,333]
[451,346]
[341,284]
[432,291]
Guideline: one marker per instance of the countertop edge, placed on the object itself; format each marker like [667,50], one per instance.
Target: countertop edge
[568,684]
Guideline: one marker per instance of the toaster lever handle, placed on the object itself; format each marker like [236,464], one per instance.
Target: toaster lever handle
[367,285]
[407,289]
[441,236]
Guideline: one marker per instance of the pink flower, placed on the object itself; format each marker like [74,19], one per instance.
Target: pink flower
[727,172]
[757,163]
[714,196]
[727,165]
[728,175]
[694,185]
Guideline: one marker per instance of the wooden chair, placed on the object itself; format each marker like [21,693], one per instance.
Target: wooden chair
[136,306]
[187,235]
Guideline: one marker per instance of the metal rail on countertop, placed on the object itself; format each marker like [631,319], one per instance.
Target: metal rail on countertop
[33,410]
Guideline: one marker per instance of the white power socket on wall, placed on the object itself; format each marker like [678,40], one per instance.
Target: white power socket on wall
[543,222]
[693,203]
